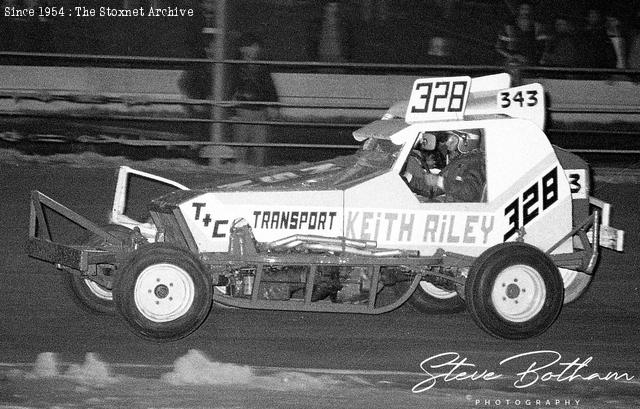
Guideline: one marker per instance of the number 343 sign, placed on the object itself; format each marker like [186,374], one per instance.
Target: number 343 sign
[526,101]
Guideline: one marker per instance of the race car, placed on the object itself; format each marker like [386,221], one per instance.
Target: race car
[351,234]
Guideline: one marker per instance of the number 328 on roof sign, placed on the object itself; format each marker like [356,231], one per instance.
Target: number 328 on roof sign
[436,99]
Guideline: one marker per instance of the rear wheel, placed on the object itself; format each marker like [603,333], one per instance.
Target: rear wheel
[97,298]
[514,291]
[432,299]
[575,284]
[163,293]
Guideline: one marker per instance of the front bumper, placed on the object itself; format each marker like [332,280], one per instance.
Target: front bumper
[608,237]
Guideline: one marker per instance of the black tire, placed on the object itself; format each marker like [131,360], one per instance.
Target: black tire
[514,291]
[431,299]
[90,295]
[163,293]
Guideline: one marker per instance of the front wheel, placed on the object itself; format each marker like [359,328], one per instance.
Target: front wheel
[514,291]
[163,293]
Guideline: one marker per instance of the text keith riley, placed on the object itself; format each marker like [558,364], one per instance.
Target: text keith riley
[538,366]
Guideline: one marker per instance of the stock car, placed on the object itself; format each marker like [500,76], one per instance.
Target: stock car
[348,235]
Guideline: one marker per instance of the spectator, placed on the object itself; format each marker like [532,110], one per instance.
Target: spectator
[375,11]
[195,82]
[562,47]
[633,59]
[596,49]
[522,41]
[253,82]
[617,40]
[331,46]
[439,52]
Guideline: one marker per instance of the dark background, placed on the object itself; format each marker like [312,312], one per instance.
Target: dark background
[397,33]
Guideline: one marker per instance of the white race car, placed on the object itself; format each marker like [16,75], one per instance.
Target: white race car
[350,235]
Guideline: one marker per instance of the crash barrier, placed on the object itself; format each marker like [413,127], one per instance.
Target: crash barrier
[312,95]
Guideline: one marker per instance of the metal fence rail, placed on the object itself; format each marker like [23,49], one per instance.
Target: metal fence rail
[49,96]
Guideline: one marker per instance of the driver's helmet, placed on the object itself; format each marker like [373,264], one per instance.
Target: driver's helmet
[426,141]
[467,141]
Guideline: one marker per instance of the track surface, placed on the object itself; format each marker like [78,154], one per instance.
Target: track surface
[38,313]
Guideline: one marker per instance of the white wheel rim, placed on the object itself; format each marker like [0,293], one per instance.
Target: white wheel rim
[518,293]
[436,292]
[164,292]
[568,276]
[98,290]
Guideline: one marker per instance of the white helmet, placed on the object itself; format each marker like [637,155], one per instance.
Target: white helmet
[467,141]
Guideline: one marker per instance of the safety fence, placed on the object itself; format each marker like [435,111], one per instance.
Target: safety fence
[214,117]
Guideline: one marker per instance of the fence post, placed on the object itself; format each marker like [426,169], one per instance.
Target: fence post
[515,70]
[218,76]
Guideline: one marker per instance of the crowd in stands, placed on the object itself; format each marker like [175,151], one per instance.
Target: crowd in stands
[595,41]
[437,32]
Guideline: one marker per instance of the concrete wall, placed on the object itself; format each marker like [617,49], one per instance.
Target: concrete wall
[375,92]
[89,80]
[111,82]
[621,94]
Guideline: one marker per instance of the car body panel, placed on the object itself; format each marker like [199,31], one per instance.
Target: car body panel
[271,215]
[529,196]
[378,205]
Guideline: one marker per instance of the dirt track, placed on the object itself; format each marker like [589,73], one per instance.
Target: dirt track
[39,315]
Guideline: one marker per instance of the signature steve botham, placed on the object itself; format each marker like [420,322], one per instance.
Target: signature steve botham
[537,366]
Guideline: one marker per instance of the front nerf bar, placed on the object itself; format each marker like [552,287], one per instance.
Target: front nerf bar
[594,232]
[608,236]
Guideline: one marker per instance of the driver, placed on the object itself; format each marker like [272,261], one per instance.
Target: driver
[423,159]
[462,179]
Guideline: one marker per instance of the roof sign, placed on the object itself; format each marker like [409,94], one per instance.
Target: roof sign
[435,99]
[526,101]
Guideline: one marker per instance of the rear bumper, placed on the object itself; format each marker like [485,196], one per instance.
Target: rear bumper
[75,257]
[78,257]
